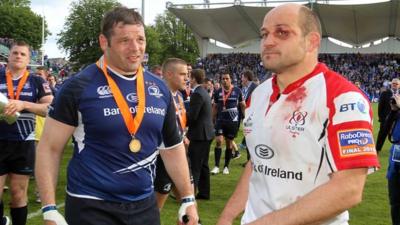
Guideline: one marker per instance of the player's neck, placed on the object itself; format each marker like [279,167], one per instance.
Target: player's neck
[172,88]
[294,73]
[228,88]
[16,72]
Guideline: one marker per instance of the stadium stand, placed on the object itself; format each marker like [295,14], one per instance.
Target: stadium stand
[374,71]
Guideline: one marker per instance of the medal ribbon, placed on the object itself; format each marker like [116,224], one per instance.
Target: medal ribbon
[131,122]
[10,86]
[181,112]
[225,97]
[187,90]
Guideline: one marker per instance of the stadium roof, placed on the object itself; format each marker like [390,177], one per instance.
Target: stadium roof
[239,24]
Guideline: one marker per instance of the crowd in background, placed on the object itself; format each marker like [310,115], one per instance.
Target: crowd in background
[235,63]
[374,71]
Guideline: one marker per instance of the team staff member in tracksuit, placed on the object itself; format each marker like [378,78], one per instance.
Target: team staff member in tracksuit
[228,100]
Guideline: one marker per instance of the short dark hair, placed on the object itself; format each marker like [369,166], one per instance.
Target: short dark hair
[225,73]
[309,21]
[198,75]
[117,15]
[249,75]
[168,63]
[21,43]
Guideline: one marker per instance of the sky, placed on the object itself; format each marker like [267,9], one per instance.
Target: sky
[56,11]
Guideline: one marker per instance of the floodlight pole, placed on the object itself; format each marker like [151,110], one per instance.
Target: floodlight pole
[143,11]
[42,38]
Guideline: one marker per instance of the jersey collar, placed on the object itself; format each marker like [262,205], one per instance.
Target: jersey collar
[319,68]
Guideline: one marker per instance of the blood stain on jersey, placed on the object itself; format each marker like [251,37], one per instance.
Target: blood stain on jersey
[297,95]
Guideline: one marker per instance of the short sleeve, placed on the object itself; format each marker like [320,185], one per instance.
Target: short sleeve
[349,131]
[64,107]
[170,132]
[43,88]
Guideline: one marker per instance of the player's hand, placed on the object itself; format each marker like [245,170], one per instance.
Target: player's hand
[187,214]
[52,217]
[13,107]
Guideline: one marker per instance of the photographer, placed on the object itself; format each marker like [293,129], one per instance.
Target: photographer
[393,172]
[383,111]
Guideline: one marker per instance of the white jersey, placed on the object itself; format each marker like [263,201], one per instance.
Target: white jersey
[318,125]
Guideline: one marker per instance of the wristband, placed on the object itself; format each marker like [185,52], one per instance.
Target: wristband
[187,199]
[49,207]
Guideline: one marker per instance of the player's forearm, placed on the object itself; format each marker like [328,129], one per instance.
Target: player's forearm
[46,172]
[36,108]
[237,203]
[337,195]
[176,164]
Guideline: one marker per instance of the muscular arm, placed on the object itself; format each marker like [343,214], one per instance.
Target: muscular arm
[342,192]
[177,167]
[48,157]
[237,202]
[176,164]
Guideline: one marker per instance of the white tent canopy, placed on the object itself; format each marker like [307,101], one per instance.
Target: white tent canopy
[238,25]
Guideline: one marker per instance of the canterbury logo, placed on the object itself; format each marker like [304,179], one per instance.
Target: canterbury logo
[104,90]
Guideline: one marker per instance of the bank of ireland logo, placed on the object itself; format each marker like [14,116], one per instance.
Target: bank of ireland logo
[131,97]
[104,91]
[264,152]
[297,122]
[154,90]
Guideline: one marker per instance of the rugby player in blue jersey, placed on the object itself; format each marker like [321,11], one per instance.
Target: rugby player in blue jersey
[228,100]
[175,74]
[121,118]
[28,95]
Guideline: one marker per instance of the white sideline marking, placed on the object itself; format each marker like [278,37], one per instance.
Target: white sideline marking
[39,212]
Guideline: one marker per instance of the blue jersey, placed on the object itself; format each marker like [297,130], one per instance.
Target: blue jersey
[34,89]
[229,112]
[102,166]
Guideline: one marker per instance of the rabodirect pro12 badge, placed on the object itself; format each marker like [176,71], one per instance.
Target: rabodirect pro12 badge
[356,142]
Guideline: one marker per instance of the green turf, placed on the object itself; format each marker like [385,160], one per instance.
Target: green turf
[374,210]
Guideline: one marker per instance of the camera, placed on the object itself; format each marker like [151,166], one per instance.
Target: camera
[393,101]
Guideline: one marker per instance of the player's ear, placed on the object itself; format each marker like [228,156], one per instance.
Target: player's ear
[103,42]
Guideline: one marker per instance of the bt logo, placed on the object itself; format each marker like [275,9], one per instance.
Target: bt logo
[353,106]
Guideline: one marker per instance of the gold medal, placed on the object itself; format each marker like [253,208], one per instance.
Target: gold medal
[132,122]
[135,145]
